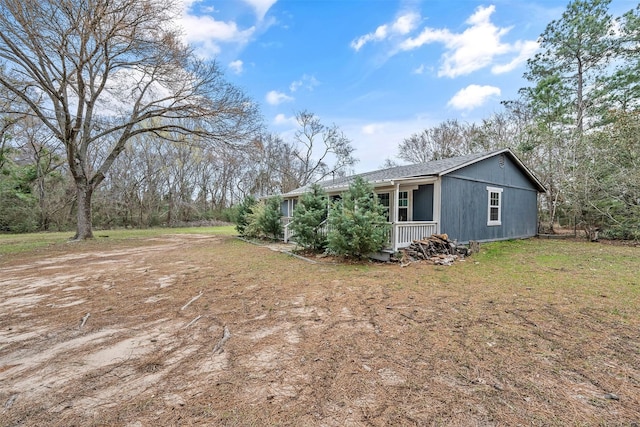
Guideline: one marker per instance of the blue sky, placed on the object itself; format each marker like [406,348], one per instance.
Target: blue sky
[379,69]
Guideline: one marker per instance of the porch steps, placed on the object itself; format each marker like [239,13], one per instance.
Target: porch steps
[384,255]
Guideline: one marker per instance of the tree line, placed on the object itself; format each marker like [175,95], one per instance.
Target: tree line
[162,182]
[107,119]
[576,124]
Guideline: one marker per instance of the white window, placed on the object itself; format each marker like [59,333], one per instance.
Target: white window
[403,206]
[494,210]
[384,201]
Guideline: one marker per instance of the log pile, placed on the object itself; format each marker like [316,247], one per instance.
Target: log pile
[436,249]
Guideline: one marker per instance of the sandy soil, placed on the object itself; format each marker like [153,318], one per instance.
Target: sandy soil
[133,334]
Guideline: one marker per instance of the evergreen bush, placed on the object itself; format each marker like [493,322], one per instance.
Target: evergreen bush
[252,228]
[309,218]
[357,223]
[269,221]
[244,210]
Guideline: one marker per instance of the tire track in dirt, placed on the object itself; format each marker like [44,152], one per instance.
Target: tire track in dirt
[45,357]
[343,345]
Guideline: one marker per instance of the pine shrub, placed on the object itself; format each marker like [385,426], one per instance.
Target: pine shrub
[357,222]
[309,218]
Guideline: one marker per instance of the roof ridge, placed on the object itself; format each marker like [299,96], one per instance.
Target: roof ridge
[431,168]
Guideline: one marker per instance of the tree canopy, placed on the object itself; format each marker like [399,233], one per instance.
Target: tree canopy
[572,122]
[99,73]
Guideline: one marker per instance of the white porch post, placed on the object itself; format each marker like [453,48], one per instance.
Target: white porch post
[437,203]
[396,215]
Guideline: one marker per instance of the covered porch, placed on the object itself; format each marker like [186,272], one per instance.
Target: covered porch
[401,234]
[404,233]
[412,205]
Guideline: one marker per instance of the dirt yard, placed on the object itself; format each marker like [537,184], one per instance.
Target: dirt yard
[183,330]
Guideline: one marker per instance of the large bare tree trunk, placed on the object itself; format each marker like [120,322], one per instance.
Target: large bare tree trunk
[69,60]
[84,228]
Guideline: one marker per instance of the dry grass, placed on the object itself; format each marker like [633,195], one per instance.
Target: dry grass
[525,333]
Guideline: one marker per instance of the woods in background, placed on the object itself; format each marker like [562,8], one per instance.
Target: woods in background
[147,146]
[576,125]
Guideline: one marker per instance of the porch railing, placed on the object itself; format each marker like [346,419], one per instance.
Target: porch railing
[286,222]
[288,233]
[403,233]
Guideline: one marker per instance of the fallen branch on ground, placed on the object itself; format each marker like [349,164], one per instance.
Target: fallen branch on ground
[9,403]
[84,320]
[193,321]
[192,300]
[225,336]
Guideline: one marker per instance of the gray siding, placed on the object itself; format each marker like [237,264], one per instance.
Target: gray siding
[423,203]
[465,202]
[490,171]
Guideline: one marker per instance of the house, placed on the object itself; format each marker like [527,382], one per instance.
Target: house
[483,197]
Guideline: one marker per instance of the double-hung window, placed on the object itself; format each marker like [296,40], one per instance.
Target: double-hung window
[383,198]
[403,206]
[494,209]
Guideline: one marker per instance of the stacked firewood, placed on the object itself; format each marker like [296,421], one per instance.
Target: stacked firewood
[437,249]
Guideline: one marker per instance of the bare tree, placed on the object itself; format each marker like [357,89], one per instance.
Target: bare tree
[99,72]
[316,145]
[11,114]
[46,157]
[418,148]
[389,163]
[448,139]
[274,165]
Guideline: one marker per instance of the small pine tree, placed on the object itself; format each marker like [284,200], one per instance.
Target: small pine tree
[308,218]
[357,223]
[244,210]
[252,229]
[269,222]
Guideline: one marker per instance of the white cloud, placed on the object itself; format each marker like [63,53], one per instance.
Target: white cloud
[306,81]
[419,70]
[186,4]
[275,98]
[261,7]
[403,25]
[474,48]
[379,34]
[376,141]
[526,50]
[282,120]
[372,128]
[472,96]
[236,66]
[207,34]
[468,51]
[428,35]
[481,15]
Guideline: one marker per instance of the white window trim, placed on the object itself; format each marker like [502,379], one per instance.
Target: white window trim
[388,208]
[409,206]
[490,190]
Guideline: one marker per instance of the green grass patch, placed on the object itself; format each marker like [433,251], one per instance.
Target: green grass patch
[17,243]
[498,250]
[555,269]
[20,243]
